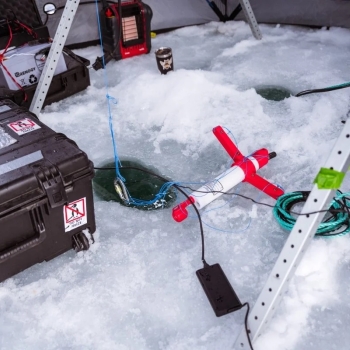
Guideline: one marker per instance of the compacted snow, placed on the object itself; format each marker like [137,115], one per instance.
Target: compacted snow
[136,287]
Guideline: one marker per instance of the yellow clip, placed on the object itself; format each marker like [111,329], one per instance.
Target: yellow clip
[153,35]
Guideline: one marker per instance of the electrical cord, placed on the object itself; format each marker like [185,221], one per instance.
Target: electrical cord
[107,56]
[2,59]
[336,223]
[343,208]
[330,88]
[179,188]
[333,225]
[246,325]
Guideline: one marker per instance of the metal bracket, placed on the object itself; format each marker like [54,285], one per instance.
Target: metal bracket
[250,17]
[54,54]
[294,249]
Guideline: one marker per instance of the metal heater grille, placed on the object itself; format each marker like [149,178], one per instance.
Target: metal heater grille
[130,31]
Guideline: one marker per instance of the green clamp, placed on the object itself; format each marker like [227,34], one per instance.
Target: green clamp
[328,179]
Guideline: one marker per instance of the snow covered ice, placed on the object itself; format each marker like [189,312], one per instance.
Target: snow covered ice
[136,288]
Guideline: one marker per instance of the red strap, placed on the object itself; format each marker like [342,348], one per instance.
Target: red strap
[31,32]
[27,28]
[2,62]
[10,39]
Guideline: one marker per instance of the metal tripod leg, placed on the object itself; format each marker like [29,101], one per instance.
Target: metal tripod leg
[295,247]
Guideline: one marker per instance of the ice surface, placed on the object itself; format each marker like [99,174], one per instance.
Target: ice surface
[5,139]
[136,287]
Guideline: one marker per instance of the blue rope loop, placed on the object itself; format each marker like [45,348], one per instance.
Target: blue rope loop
[111,99]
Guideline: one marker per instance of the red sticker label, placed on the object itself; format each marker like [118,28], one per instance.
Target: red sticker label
[75,214]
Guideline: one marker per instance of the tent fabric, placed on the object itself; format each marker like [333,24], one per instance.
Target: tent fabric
[320,13]
[166,14]
[172,14]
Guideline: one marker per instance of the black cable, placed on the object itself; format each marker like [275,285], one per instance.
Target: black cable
[46,19]
[336,223]
[335,214]
[270,205]
[179,189]
[305,194]
[346,210]
[331,88]
[199,219]
[246,325]
[201,230]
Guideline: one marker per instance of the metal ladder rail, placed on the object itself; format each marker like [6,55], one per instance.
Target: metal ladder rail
[250,17]
[54,54]
[295,247]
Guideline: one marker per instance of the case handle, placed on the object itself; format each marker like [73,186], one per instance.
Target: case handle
[27,244]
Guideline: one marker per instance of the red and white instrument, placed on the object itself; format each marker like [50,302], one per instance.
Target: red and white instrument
[243,169]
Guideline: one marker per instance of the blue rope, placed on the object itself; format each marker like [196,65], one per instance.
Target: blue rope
[159,197]
[109,100]
[229,231]
[234,195]
[229,132]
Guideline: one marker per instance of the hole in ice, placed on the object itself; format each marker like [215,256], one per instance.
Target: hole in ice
[273,93]
[139,184]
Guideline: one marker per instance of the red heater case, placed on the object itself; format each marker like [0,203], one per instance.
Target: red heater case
[125,30]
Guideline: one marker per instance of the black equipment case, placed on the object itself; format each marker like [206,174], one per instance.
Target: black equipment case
[13,13]
[46,198]
[75,79]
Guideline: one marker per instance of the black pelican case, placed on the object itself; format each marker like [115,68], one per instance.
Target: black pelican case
[46,200]
[75,79]
[23,11]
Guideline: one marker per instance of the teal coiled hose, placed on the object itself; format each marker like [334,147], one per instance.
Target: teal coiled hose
[335,223]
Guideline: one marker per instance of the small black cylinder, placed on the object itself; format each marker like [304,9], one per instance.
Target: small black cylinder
[164,57]
[272,155]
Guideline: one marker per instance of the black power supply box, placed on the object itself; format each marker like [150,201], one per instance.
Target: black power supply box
[218,289]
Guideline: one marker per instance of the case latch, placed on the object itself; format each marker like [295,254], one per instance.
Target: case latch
[55,191]
[52,183]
